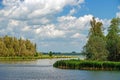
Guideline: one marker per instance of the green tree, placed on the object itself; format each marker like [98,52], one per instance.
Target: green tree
[8,41]
[95,49]
[16,46]
[30,47]
[96,28]
[11,52]
[3,49]
[11,46]
[50,53]
[113,40]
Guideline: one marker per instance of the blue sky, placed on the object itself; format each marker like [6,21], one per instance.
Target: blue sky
[55,25]
[98,8]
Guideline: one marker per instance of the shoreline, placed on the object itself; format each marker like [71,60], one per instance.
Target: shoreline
[22,58]
[88,65]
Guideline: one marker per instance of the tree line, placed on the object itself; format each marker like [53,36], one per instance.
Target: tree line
[11,46]
[100,47]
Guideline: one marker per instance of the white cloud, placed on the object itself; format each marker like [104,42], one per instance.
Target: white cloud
[66,18]
[36,20]
[13,23]
[26,28]
[78,36]
[70,22]
[118,13]
[9,3]
[35,8]
[49,31]
[52,6]
[72,11]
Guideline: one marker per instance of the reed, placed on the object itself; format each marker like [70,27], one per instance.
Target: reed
[87,65]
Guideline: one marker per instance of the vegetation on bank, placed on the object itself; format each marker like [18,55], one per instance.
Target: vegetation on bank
[100,47]
[102,52]
[87,65]
[34,57]
[11,47]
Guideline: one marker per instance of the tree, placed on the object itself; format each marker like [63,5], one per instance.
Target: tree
[95,49]
[11,46]
[16,46]
[50,53]
[96,28]
[3,49]
[113,40]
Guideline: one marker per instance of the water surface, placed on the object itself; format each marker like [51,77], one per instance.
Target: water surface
[43,70]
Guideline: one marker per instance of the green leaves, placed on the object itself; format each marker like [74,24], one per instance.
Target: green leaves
[10,46]
[50,53]
[113,40]
[96,28]
[95,49]
[100,47]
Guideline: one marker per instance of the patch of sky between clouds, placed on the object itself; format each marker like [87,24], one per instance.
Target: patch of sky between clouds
[1,4]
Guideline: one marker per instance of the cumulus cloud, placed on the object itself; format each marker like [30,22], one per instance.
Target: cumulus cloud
[49,31]
[36,20]
[35,8]
[70,22]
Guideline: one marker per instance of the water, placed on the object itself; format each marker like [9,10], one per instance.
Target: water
[43,70]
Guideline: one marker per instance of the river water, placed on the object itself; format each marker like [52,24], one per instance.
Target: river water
[43,70]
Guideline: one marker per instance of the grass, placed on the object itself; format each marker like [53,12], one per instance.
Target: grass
[34,57]
[87,65]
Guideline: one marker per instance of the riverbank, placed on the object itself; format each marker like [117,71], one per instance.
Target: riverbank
[35,57]
[87,65]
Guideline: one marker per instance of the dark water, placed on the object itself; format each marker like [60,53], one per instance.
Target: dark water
[43,70]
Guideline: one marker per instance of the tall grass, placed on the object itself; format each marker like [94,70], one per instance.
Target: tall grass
[87,65]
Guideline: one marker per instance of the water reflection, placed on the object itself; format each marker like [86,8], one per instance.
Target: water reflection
[17,62]
[43,70]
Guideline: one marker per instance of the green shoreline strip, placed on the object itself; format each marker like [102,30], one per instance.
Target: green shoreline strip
[87,65]
[32,57]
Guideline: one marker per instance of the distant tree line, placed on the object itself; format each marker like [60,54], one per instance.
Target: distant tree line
[100,47]
[11,46]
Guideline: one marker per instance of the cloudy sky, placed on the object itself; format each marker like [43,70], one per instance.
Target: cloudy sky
[55,25]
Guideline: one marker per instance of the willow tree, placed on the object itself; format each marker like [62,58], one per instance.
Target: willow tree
[95,49]
[11,46]
[113,40]
[3,49]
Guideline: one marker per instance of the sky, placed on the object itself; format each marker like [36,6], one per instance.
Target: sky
[55,25]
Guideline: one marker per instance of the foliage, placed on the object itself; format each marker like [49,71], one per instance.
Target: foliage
[96,28]
[95,49]
[11,46]
[50,53]
[113,40]
[87,65]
